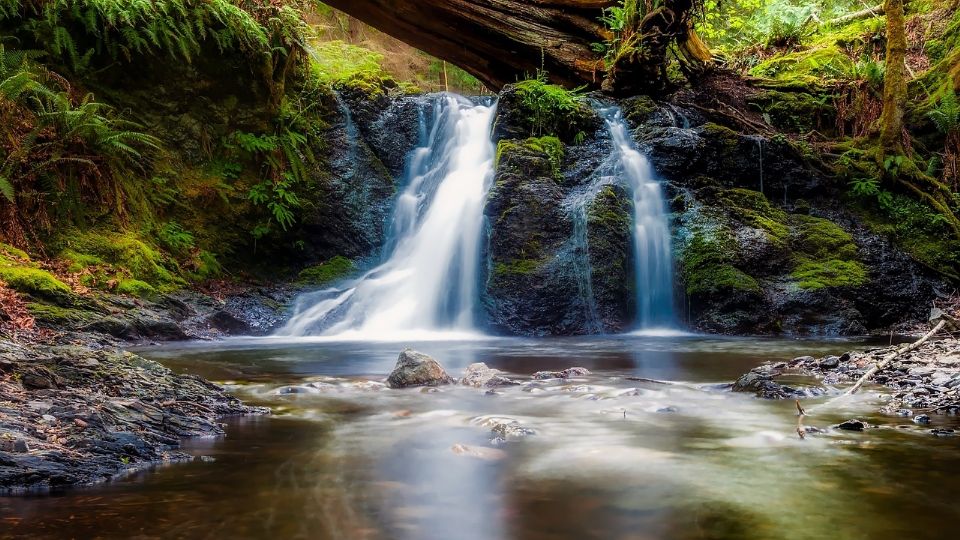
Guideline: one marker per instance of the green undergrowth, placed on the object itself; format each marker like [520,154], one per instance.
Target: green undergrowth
[327,272]
[549,109]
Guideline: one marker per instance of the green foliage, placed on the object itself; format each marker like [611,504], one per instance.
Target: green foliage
[65,144]
[280,199]
[946,113]
[75,30]
[551,109]
[175,237]
[327,272]
[336,61]
[811,66]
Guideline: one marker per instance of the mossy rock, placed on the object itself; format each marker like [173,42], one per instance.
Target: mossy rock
[35,282]
[752,208]
[135,287]
[798,112]
[327,272]
[549,146]
[822,62]
[813,275]
[517,267]
[706,263]
[821,239]
[57,316]
[126,252]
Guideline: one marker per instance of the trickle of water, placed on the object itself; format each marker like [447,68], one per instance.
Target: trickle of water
[428,280]
[651,231]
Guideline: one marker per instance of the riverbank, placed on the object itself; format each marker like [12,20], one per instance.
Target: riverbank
[77,409]
[921,384]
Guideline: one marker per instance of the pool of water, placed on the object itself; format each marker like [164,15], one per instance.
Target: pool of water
[612,457]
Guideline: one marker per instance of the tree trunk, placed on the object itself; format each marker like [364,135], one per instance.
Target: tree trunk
[502,41]
[894,80]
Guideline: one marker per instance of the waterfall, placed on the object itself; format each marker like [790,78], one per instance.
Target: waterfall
[651,231]
[427,280]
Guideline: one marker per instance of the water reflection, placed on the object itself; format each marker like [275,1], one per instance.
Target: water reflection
[612,457]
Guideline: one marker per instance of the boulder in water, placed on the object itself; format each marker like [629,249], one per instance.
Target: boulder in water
[480,376]
[565,374]
[417,369]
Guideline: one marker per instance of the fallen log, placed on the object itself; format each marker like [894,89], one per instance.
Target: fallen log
[874,11]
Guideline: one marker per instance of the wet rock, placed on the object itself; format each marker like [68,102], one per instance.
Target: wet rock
[227,322]
[480,376]
[852,425]
[510,431]
[830,362]
[921,419]
[417,369]
[761,384]
[21,446]
[942,432]
[564,374]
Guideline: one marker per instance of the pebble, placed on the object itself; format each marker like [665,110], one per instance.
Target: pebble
[921,419]
[49,418]
[21,446]
[830,362]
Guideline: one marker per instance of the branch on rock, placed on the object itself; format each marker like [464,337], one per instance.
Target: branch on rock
[883,363]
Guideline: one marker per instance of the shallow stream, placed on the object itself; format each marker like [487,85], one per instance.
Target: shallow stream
[611,457]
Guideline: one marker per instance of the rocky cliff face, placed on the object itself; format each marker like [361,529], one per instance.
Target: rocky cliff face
[763,243]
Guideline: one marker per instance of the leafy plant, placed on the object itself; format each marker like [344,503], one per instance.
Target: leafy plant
[175,237]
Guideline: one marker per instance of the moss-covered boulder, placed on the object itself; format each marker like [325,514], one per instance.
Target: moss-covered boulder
[535,108]
[610,241]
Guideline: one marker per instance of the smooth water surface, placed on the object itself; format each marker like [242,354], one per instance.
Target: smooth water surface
[612,458]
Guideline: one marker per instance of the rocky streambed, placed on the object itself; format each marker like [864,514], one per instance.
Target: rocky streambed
[922,384]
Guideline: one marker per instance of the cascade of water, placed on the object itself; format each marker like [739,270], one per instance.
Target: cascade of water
[428,278]
[651,231]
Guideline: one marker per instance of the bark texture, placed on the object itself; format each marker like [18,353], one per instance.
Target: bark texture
[502,41]
[894,80]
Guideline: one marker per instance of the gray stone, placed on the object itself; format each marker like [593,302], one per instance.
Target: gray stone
[417,369]
[830,362]
[480,376]
[853,425]
[21,446]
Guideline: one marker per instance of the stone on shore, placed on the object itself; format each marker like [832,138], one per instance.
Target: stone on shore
[564,374]
[417,369]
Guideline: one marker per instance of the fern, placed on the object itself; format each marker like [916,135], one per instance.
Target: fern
[946,114]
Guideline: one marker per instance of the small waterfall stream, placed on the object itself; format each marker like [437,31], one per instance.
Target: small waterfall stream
[653,260]
[428,278]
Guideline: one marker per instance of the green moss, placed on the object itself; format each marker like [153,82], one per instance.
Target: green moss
[135,287]
[607,213]
[638,109]
[78,262]
[33,281]
[830,273]
[549,146]
[798,112]
[516,267]
[753,208]
[822,62]
[126,252]
[821,239]
[332,270]
[6,250]
[56,315]
[706,264]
